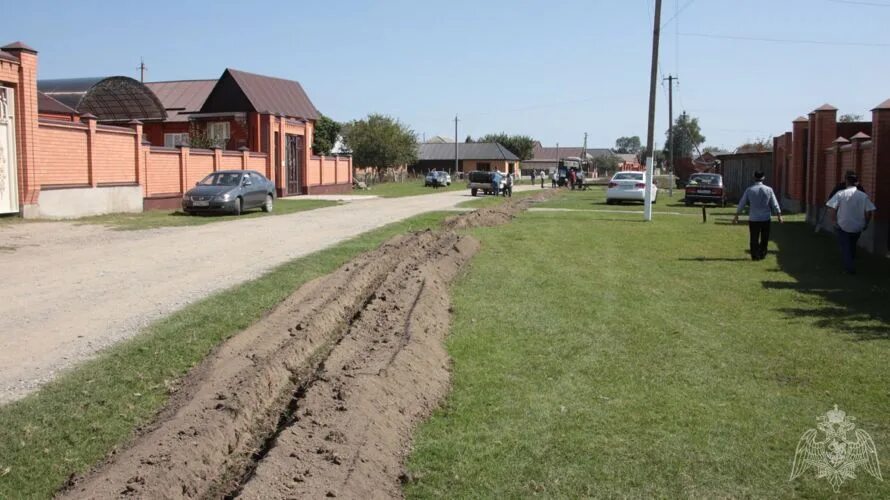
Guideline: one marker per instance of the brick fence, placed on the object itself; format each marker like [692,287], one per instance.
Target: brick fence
[75,168]
[812,158]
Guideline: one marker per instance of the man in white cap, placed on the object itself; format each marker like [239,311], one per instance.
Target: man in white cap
[851,210]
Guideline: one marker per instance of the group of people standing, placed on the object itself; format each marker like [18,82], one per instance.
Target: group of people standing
[849,210]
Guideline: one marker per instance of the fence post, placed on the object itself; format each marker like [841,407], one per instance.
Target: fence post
[245,153]
[336,168]
[838,161]
[857,141]
[146,151]
[183,167]
[137,128]
[90,120]
[217,157]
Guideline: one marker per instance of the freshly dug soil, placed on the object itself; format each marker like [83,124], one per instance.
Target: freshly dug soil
[319,398]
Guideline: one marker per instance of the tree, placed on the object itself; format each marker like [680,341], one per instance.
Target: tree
[714,150]
[380,142]
[687,137]
[520,145]
[326,133]
[628,145]
[850,117]
[643,155]
[469,139]
[606,164]
[756,146]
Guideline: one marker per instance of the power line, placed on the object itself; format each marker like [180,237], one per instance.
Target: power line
[677,13]
[787,40]
[860,2]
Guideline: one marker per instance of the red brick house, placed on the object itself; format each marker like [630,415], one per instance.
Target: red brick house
[77,147]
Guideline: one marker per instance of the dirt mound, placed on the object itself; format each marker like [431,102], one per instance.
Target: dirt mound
[497,215]
[320,396]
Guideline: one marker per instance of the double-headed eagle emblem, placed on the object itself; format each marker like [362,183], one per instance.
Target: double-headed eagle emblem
[837,456]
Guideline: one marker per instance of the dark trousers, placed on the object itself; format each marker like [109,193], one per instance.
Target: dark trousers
[759,233]
[847,242]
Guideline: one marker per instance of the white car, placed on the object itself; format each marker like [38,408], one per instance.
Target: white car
[629,186]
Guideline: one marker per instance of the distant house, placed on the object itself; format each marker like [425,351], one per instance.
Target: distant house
[179,98]
[630,163]
[471,156]
[547,158]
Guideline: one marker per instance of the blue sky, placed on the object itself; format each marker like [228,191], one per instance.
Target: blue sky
[550,69]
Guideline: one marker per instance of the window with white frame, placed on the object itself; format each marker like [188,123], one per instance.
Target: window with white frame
[218,132]
[173,140]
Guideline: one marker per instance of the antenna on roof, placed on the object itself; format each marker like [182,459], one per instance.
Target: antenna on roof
[142,69]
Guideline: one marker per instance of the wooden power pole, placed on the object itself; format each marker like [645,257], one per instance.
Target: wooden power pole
[650,136]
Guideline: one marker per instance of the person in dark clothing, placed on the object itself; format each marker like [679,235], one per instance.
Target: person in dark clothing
[762,203]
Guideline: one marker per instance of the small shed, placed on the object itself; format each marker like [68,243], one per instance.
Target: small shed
[738,171]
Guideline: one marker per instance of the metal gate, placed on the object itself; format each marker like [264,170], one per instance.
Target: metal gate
[9,192]
[294,160]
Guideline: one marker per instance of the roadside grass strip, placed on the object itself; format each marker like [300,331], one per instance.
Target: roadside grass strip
[151,219]
[408,188]
[74,421]
[601,356]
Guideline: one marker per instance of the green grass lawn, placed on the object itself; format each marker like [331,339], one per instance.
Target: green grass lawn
[596,355]
[71,423]
[151,219]
[408,188]
[484,201]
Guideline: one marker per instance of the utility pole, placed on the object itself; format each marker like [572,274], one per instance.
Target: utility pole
[142,69]
[584,153]
[456,169]
[670,80]
[557,158]
[650,136]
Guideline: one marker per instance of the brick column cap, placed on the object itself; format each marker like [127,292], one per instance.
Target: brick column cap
[244,148]
[826,107]
[88,116]
[18,47]
[134,122]
[801,119]
[860,136]
[883,105]
[840,140]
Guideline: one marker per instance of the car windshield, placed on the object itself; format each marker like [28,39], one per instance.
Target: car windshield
[629,176]
[705,179]
[222,179]
[480,177]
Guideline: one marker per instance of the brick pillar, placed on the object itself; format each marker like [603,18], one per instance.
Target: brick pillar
[26,125]
[825,132]
[336,168]
[217,158]
[90,120]
[877,236]
[146,164]
[857,141]
[308,137]
[797,174]
[808,187]
[137,170]
[837,170]
[279,168]
[183,168]
[245,154]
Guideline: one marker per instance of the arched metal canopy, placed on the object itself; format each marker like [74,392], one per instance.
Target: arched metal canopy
[111,99]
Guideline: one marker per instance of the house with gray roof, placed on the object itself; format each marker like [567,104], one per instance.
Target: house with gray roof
[547,158]
[470,157]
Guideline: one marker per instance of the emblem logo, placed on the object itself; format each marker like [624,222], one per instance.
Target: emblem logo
[839,453]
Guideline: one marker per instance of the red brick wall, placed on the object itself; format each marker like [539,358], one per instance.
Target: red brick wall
[62,153]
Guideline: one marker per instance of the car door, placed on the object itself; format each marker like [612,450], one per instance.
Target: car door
[249,191]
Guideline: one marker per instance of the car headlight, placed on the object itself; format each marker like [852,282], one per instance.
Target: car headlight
[224,196]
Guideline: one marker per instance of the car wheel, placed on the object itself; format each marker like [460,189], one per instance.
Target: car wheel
[474,191]
[610,202]
[237,209]
[269,205]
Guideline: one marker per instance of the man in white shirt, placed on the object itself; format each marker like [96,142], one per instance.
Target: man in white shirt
[851,210]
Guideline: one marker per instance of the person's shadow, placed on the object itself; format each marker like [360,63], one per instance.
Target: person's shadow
[856,304]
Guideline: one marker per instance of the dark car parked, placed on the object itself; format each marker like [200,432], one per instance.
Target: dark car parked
[705,188]
[230,191]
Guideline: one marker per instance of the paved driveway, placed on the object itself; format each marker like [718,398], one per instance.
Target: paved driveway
[71,290]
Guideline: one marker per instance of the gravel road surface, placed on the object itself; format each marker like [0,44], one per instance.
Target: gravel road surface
[72,290]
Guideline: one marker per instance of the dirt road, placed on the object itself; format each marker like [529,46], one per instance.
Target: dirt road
[71,290]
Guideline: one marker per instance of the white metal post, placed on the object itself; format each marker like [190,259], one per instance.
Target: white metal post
[647,203]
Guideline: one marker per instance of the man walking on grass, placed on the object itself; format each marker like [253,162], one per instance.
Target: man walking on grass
[762,203]
[851,210]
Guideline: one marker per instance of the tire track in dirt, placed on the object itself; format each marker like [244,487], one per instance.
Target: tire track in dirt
[319,397]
